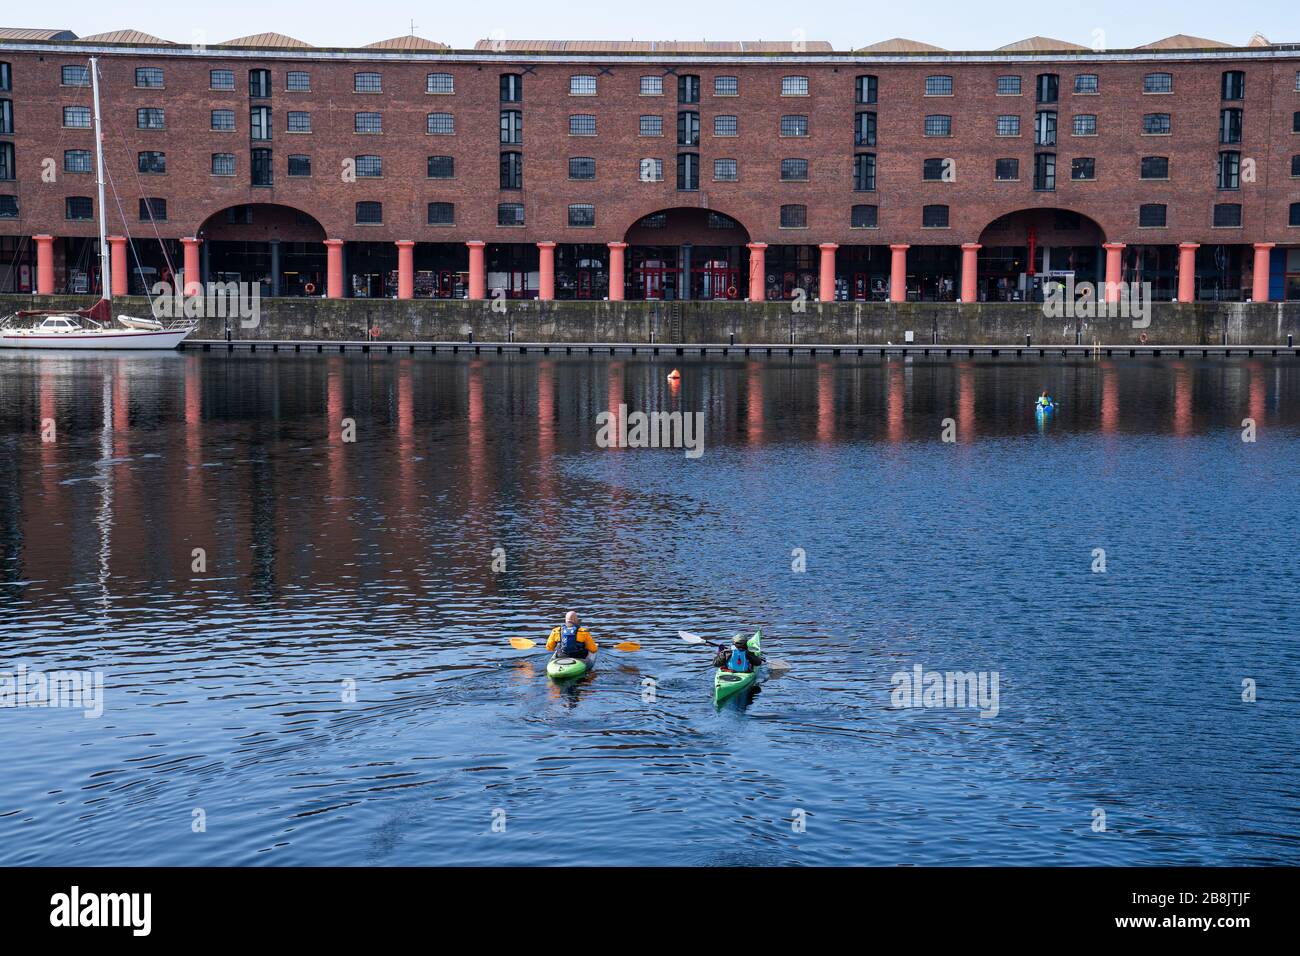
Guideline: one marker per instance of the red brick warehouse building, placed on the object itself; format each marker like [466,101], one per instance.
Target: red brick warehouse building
[654,170]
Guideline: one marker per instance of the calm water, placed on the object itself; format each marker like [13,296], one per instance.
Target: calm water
[371,562]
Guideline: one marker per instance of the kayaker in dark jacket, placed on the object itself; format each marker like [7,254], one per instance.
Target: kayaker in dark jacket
[737,657]
[572,640]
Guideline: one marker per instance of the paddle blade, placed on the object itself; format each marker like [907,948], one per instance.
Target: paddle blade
[690,638]
[777,665]
[627,646]
[522,643]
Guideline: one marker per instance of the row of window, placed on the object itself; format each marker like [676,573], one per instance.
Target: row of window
[793,216]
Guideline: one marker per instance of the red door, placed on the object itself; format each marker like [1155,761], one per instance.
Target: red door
[584,283]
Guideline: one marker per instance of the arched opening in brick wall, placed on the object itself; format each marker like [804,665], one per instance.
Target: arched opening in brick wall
[1022,251]
[687,253]
[280,247]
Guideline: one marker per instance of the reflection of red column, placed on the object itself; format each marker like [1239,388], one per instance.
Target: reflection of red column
[757,271]
[545,271]
[1182,399]
[1259,289]
[1109,399]
[966,404]
[826,285]
[615,395]
[898,272]
[477,270]
[616,271]
[1114,269]
[969,271]
[825,402]
[193,280]
[1258,391]
[1187,270]
[334,268]
[117,263]
[754,404]
[405,268]
[894,398]
[44,264]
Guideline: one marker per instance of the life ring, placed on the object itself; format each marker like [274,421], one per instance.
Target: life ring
[309,288]
[374,332]
[1143,338]
[674,376]
[732,292]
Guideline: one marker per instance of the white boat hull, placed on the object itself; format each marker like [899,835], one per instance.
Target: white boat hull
[82,339]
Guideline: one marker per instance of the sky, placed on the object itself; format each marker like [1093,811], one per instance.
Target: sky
[952,24]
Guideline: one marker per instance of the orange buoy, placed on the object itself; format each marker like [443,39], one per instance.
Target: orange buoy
[674,376]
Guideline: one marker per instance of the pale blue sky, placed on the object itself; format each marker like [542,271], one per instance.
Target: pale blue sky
[953,24]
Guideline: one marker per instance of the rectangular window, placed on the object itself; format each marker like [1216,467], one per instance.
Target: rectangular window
[1048,88]
[6,77]
[152,162]
[864,217]
[439,83]
[1294,219]
[688,171]
[938,86]
[1227,214]
[1234,85]
[1083,168]
[1230,126]
[1085,83]
[299,122]
[794,170]
[581,215]
[369,167]
[1045,128]
[512,170]
[76,160]
[726,86]
[153,210]
[1008,86]
[866,88]
[651,171]
[724,170]
[442,214]
[1229,170]
[794,86]
[934,217]
[725,126]
[1045,172]
[1085,124]
[7,172]
[76,117]
[1155,167]
[1295,166]
[794,217]
[6,118]
[223,120]
[582,167]
[652,86]
[221,79]
[652,126]
[441,167]
[223,164]
[582,124]
[512,127]
[259,84]
[148,78]
[440,124]
[688,128]
[582,85]
[1156,124]
[938,126]
[370,213]
[794,126]
[9,207]
[932,170]
[510,214]
[367,83]
[297,81]
[78,207]
[688,88]
[367,123]
[864,173]
[512,87]
[259,123]
[1151,215]
[76,76]
[1006,170]
[150,117]
[1008,125]
[1158,83]
[864,129]
[299,165]
[260,170]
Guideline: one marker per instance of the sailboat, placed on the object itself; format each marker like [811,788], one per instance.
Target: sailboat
[92,328]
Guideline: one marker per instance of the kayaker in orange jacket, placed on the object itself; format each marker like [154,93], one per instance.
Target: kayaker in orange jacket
[572,640]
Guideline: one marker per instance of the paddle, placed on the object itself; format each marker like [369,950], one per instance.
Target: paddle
[523,644]
[771,662]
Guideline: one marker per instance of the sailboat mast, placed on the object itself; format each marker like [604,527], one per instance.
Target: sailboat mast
[104,287]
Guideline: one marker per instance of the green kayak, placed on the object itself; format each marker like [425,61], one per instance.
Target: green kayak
[565,668]
[728,683]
